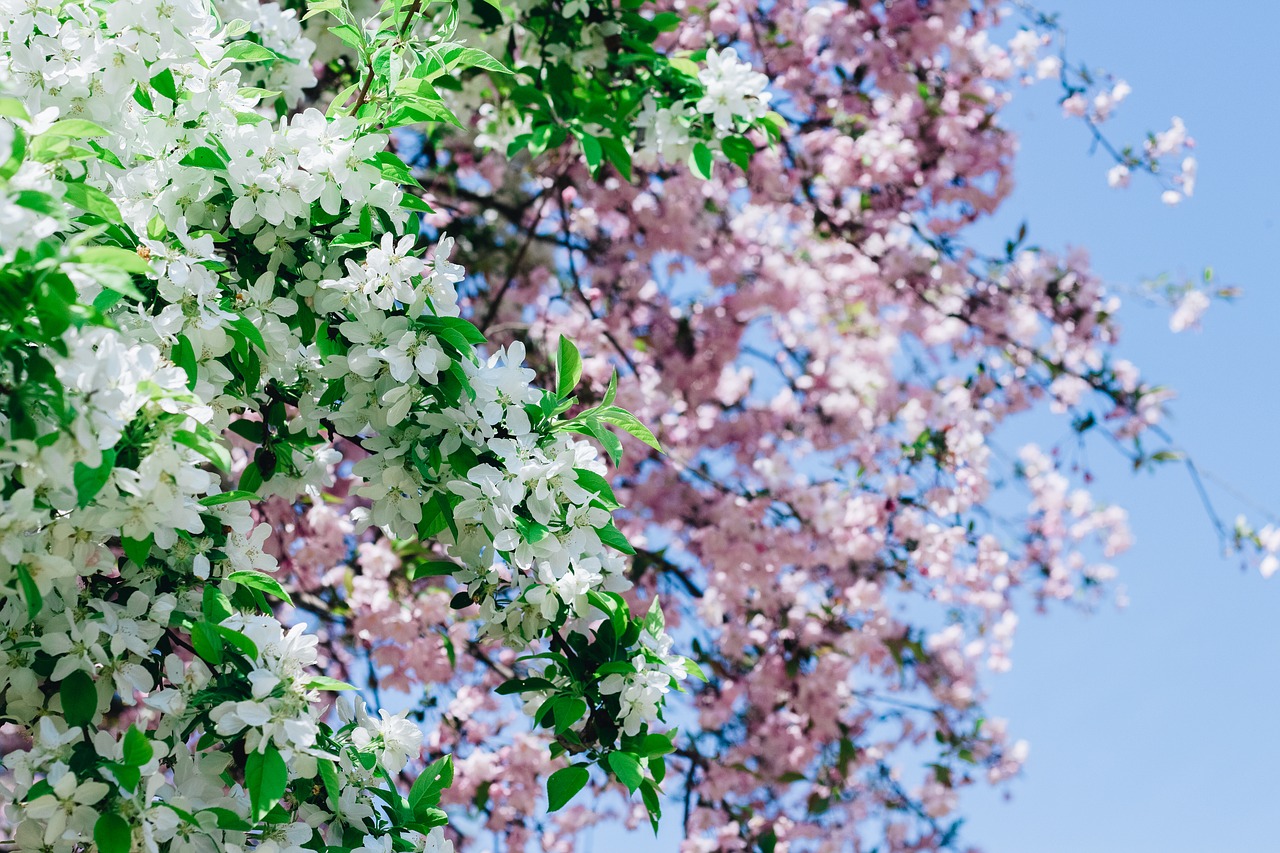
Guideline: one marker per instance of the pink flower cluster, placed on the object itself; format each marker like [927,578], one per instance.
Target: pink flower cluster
[837,532]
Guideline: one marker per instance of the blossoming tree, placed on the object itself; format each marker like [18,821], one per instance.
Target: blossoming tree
[264,442]
[186,258]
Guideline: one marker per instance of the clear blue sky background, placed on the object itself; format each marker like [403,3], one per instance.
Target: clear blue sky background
[1152,728]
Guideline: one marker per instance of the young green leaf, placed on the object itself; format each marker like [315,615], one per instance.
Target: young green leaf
[700,160]
[136,749]
[265,777]
[568,368]
[227,497]
[89,481]
[567,710]
[207,642]
[247,51]
[625,766]
[426,789]
[112,833]
[628,423]
[30,592]
[261,581]
[79,698]
[564,784]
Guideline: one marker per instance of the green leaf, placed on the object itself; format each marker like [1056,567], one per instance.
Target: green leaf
[691,667]
[13,108]
[531,531]
[30,592]
[616,608]
[653,621]
[214,604]
[464,328]
[228,497]
[204,158]
[608,440]
[250,479]
[618,155]
[612,536]
[700,160]
[434,778]
[628,423]
[685,66]
[432,569]
[319,7]
[266,777]
[567,711]
[127,776]
[523,685]
[593,482]
[138,550]
[665,22]
[79,698]
[564,784]
[649,793]
[112,834]
[213,450]
[89,481]
[143,98]
[164,84]
[657,744]
[75,128]
[93,200]
[207,642]
[568,368]
[136,748]
[240,642]
[421,110]
[247,51]
[324,682]
[184,356]
[611,392]
[227,819]
[657,768]
[348,34]
[774,124]
[621,667]
[393,168]
[627,768]
[113,256]
[256,92]
[739,150]
[409,201]
[261,581]
[472,57]
[591,150]
[329,776]
[37,201]
[251,332]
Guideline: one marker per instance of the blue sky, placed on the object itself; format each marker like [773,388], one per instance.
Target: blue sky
[1150,727]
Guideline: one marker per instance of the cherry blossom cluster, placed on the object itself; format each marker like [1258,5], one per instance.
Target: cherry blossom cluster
[838,529]
[1093,96]
[184,263]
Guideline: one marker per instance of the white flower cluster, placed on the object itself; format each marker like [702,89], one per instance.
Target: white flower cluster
[276,287]
[733,96]
[733,89]
[642,692]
